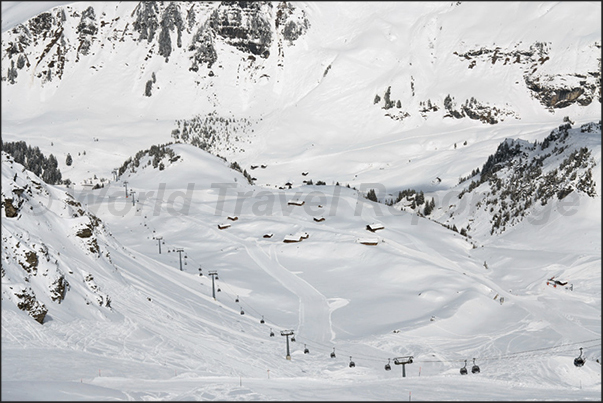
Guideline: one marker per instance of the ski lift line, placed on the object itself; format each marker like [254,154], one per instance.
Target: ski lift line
[505,357]
[544,349]
[241,301]
[375,359]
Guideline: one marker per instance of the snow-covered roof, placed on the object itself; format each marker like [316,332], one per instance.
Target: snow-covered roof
[374,226]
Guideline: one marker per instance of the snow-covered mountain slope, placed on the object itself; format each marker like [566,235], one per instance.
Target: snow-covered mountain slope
[386,96]
[422,290]
[314,90]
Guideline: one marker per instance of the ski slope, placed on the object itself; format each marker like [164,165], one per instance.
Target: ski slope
[422,290]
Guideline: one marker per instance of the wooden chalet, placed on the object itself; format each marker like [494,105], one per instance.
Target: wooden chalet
[368,241]
[292,238]
[374,227]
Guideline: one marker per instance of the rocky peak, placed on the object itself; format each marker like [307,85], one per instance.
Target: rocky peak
[244,25]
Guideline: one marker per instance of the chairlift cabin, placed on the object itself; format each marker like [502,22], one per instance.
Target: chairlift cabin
[237,299]
[352,364]
[475,368]
[271,333]
[579,361]
[464,369]
[293,338]
[262,320]
[242,312]
[387,366]
[306,351]
[219,290]
[333,353]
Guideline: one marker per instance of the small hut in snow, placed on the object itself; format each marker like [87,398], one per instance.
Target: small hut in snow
[374,227]
[292,238]
[368,241]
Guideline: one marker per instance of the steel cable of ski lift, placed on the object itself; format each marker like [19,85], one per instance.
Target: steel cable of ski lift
[314,344]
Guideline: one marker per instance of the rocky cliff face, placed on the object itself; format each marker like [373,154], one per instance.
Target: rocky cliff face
[38,223]
[43,45]
[554,91]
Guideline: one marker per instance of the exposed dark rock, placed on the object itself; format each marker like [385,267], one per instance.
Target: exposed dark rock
[290,25]
[146,22]
[560,91]
[84,233]
[41,24]
[31,305]
[170,19]
[10,210]
[31,263]
[58,289]
[244,26]
[203,46]
[86,29]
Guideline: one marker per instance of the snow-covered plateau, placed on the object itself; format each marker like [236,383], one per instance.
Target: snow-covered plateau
[301,201]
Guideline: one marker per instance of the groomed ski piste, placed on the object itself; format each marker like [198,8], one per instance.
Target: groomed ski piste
[412,288]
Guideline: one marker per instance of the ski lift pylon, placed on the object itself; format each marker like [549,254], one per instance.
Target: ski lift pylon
[579,361]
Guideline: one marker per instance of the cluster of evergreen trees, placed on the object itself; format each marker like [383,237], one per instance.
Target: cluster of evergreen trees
[388,102]
[211,132]
[417,199]
[157,154]
[33,160]
[516,181]
[235,165]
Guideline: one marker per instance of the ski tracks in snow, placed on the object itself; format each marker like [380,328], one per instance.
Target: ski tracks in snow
[314,310]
